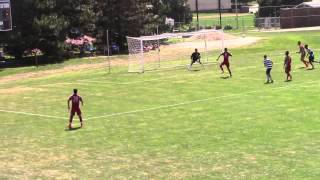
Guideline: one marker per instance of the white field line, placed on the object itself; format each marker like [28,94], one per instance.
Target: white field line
[53,84]
[101,83]
[126,83]
[252,79]
[159,79]
[155,108]
[195,101]
[32,114]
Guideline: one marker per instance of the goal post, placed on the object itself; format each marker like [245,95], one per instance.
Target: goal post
[172,50]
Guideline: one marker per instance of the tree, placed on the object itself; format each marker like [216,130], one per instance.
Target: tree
[179,10]
[45,24]
[51,27]
[23,32]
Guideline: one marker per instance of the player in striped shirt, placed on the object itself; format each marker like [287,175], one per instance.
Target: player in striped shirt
[310,54]
[268,65]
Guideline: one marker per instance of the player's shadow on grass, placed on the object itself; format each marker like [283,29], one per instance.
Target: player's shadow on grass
[73,129]
[195,70]
[225,77]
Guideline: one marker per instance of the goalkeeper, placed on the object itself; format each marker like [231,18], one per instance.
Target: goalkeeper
[195,57]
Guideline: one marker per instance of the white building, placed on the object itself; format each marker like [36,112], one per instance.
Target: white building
[207,5]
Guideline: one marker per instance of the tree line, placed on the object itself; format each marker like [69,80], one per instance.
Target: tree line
[45,24]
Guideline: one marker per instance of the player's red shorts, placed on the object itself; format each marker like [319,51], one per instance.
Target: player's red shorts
[75,110]
[288,69]
[225,63]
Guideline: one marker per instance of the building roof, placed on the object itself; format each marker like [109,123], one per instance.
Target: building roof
[207,5]
[309,5]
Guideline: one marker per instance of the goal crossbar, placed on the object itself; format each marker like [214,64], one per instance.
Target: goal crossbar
[145,53]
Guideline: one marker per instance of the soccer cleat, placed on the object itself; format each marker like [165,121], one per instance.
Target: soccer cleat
[70,126]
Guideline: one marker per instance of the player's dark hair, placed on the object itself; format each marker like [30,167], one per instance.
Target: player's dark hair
[306,46]
[287,52]
[225,49]
[299,42]
[75,91]
[265,56]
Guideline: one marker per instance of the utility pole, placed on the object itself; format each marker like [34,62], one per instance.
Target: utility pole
[197,11]
[220,13]
[237,18]
[108,51]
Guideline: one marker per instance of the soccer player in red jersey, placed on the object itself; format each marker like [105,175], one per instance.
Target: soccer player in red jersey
[225,62]
[287,66]
[75,108]
[302,52]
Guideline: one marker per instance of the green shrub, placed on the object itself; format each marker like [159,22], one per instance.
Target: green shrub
[228,27]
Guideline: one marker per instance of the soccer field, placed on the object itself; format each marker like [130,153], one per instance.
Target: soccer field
[174,124]
[246,21]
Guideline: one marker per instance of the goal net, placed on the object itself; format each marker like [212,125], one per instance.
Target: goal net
[172,50]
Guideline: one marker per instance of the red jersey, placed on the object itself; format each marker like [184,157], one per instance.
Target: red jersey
[226,56]
[287,62]
[75,99]
[302,50]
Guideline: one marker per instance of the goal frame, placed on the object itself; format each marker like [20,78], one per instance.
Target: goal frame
[140,54]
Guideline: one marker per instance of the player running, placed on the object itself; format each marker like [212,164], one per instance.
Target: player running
[268,65]
[225,62]
[287,66]
[310,55]
[195,57]
[75,99]
[302,52]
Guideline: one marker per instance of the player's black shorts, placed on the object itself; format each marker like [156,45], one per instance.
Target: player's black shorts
[195,60]
[268,71]
[311,58]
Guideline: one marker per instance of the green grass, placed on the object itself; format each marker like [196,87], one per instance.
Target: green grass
[183,124]
[212,19]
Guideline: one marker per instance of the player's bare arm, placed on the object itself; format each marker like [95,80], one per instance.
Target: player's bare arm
[219,56]
[81,101]
[69,103]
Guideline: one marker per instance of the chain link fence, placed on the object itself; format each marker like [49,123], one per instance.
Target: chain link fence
[227,23]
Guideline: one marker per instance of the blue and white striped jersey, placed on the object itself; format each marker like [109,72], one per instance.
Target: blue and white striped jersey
[268,63]
[310,52]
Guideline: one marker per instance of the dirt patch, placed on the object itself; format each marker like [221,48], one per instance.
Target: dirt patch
[168,52]
[71,68]
[17,90]
[214,36]
[230,43]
